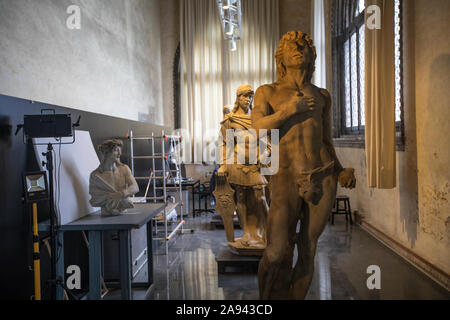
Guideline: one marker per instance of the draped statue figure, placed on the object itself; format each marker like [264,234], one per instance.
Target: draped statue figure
[240,187]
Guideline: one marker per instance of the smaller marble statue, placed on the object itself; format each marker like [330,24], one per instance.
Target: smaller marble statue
[112,183]
[241,187]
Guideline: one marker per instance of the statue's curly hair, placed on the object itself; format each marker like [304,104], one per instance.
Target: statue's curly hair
[109,145]
[293,36]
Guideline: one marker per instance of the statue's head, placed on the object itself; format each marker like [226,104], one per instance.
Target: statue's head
[244,98]
[111,149]
[295,50]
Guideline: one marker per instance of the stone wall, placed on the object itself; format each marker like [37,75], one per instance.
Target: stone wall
[416,214]
[111,65]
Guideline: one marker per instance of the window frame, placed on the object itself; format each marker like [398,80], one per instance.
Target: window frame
[176,76]
[353,28]
[348,137]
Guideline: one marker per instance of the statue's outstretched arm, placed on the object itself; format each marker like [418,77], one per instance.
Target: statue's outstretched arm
[133,187]
[222,144]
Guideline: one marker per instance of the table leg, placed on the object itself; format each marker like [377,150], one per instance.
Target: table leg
[95,267]
[199,203]
[192,195]
[193,201]
[150,253]
[125,263]
[60,264]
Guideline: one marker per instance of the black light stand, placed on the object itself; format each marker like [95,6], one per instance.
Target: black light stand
[50,126]
[54,281]
[53,226]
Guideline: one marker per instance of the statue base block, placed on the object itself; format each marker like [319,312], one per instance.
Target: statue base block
[245,251]
[228,262]
[217,223]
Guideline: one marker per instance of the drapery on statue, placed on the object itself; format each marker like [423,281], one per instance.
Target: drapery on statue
[112,183]
[247,192]
[304,188]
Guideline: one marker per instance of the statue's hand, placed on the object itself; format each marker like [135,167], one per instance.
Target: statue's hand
[221,175]
[222,171]
[303,104]
[347,178]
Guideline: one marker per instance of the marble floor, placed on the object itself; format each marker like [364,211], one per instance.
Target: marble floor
[344,252]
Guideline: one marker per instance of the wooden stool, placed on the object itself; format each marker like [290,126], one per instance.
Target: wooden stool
[337,210]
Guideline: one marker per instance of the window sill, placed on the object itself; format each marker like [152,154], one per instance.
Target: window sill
[358,141]
[350,141]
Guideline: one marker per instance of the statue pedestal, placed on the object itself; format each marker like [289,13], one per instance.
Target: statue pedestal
[229,262]
[217,222]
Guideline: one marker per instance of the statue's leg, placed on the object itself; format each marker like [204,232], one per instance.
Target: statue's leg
[262,211]
[241,208]
[313,222]
[276,263]
[252,218]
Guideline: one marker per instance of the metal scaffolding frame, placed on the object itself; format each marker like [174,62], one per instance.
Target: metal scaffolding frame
[162,175]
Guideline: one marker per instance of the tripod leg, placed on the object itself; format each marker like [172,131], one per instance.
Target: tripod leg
[36,257]
[60,264]
[61,291]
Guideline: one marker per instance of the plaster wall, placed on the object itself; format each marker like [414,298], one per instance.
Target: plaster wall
[112,65]
[417,213]
[170,38]
[295,15]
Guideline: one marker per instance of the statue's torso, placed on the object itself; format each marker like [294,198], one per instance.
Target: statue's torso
[245,171]
[301,136]
[115,178]
[241,125]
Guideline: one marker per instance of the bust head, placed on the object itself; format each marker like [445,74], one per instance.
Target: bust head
[111,150]
[244,98]
[295,50]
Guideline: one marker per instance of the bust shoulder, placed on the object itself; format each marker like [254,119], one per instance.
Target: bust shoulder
[91,176]
[122,167]
[96,172]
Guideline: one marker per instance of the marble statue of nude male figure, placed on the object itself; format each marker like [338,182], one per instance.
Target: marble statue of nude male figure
[304,188]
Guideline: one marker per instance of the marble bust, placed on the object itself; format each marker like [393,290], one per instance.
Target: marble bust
[111,184]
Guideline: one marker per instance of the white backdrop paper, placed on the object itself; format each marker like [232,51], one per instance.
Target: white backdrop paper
[78,160]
